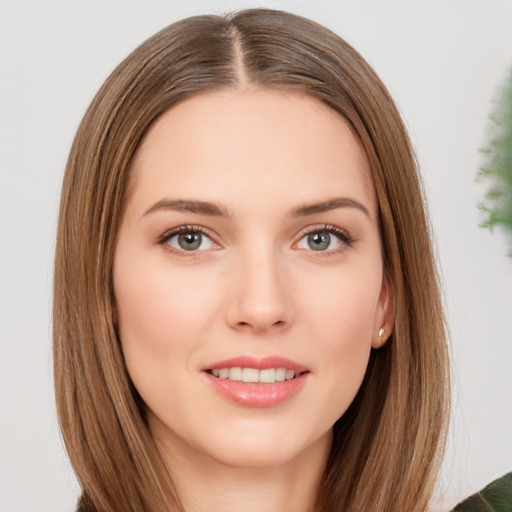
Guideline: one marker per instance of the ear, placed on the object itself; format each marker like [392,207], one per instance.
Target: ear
[384,314]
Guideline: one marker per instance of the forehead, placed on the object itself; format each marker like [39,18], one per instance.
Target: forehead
[251,144]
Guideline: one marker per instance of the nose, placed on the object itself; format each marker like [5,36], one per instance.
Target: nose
[261,296]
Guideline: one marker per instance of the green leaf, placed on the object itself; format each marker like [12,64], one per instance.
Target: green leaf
[497,166]
[496,497]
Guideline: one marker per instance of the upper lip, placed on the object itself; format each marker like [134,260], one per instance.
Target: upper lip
[262,363]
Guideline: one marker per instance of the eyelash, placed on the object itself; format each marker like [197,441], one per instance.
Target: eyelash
[165,237]
[341,234]
[345,239]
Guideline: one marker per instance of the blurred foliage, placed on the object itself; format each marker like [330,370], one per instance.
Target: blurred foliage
[496,497]
[497,170]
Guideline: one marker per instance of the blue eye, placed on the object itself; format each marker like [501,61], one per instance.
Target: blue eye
[189,240]
[319,241]
[326,239]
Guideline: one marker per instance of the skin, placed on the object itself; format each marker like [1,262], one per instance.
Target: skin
[254,287]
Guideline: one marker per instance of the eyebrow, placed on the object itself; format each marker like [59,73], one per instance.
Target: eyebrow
[216,210]
[190,205]
[325,206]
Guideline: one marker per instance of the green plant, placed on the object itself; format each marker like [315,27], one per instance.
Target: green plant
[497,170]
[496,497]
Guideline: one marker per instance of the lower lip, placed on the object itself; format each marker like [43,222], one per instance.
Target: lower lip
[257,394]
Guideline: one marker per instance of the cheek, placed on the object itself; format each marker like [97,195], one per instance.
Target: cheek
[157,309]
[343,316]
[159,327]
[343,307]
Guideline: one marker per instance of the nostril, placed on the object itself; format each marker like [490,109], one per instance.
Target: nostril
[260,326]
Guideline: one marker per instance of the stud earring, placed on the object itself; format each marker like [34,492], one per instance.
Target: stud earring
[381,333]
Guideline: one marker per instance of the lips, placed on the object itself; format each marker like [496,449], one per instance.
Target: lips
[253,382]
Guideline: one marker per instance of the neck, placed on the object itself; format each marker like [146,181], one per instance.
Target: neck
[205,484]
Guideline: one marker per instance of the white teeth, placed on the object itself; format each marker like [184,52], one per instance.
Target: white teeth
[235,374]
[266,376]
[250,375]
[281,374]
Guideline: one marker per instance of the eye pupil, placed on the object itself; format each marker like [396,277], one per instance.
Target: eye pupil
[189,241]
[319,241]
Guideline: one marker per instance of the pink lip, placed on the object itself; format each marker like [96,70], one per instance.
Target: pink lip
[258,394]
[259,363]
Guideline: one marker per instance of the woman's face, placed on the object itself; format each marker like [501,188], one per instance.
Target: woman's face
[249,249]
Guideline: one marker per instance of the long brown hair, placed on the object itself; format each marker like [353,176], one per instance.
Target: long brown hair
[387,446]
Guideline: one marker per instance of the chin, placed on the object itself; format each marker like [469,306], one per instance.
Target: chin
[254,457]
[267,449]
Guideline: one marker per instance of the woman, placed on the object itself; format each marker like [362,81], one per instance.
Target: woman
[246,307]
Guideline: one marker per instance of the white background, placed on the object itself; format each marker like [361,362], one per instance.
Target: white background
[442,61]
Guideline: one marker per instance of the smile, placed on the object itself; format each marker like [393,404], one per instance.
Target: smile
[267,376]
[253,382]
